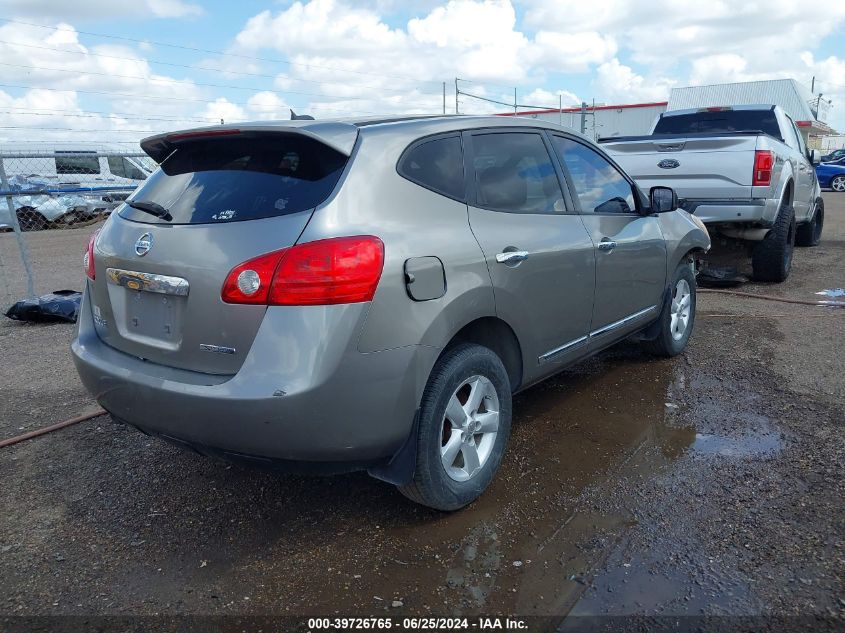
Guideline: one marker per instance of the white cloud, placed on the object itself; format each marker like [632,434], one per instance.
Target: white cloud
[44,10]
[572,52]
[618,83]
[173,8]
[225,110]
[268,105]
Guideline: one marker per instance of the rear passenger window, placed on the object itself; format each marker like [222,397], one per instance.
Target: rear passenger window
[599,185]
[438,165]
[514,173]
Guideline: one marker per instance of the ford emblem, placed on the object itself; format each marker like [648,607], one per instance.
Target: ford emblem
[668,163]
[144,244]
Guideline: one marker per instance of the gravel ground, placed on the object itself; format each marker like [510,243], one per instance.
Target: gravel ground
[707,484]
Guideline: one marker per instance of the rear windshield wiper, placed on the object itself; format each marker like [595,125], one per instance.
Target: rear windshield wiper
[152,208]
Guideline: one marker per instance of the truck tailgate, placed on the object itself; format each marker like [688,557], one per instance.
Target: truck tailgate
[703,168]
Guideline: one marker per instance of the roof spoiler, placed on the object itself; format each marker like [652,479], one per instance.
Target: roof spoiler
[339,136]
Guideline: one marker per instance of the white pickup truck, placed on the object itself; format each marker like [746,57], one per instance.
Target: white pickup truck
[743,170]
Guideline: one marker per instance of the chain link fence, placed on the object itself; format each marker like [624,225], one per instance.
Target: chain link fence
[50,202]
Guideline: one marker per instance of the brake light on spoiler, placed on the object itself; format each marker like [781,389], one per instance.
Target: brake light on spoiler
[764,160]
[202,134]
[324,272]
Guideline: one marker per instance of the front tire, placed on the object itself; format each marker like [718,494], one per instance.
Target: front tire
[837,183]
[678,316]
[810,234]
[464,426]
[771,259]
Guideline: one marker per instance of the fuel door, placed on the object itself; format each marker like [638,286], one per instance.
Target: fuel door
[425,278]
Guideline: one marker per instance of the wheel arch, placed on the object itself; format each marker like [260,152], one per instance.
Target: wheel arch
[495,334]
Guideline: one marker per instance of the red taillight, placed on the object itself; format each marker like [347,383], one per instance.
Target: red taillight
[337,270]
[202,134]
[763,162]
[88,258]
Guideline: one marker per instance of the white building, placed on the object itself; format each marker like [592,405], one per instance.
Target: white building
[603,120]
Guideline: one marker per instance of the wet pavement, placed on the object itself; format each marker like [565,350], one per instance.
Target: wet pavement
[711,483]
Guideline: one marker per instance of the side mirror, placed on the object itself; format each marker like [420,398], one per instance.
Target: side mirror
[663,199]
[815,156]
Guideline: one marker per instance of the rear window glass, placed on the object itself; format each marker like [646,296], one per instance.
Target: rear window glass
[77,163]
[514,173]
[436,164]
[121,167]
[720,122]
[231,180]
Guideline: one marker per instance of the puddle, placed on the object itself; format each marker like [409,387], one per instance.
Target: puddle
[752,445]
[832,292]
[636,586]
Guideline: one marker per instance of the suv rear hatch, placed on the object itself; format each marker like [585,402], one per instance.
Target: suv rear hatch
[220,197]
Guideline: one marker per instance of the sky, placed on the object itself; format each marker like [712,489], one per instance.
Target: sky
[113,71]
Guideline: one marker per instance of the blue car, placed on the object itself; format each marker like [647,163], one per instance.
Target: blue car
[832,175]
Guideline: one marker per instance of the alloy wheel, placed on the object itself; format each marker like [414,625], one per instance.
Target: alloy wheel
[470,425]
[680,310]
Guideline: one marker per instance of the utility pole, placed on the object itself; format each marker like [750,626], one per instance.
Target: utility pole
[444,97]
[813,84]
[583,117]
[514,101]
[456,96]
[560,108]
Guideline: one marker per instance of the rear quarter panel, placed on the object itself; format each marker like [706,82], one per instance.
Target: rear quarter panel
[412,221]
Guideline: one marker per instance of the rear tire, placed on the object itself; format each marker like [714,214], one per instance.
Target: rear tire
[810,234]
[464,426]
[30,220]
[771,259]
[678,316]
[837,183]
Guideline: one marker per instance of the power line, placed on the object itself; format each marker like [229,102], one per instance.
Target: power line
[193,67]
[181,99]
[185,83]
[79,115]
[505,103]
[213,52]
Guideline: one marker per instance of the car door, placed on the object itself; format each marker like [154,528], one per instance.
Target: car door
[630,249]
[540,257]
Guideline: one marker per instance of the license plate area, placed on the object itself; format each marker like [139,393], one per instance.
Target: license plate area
[148,309]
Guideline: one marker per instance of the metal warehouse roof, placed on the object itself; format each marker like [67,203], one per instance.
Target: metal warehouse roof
[787,93]
[589,108]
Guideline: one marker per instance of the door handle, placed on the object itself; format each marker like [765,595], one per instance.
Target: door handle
[512,257]
[606,245]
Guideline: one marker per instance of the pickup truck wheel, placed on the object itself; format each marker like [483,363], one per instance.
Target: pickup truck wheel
[810,234]
[464,425]
[772,258]
[838,184]
[678,315]
[30,220]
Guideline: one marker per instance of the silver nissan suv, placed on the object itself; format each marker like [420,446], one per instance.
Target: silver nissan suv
[349,295]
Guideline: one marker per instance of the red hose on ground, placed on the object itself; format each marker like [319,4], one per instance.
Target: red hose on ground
[822,304]
[50,429]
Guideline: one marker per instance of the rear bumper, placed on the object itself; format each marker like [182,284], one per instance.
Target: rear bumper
[294,399]
[758,211]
